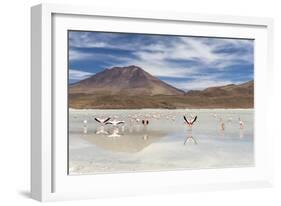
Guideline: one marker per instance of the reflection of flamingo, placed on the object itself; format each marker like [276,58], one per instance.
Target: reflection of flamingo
[137,127]
[145,137]
[190,121]
[123,128]
[101,130]
[85,127]
[115,133]
[190,138]
[241,133]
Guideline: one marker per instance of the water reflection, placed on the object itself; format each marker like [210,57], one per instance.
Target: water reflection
[101,130]
[145,137]
[241,134]
[115,133]
[222,127]
[166,142]
[190,138]
[85,129]
[122,139]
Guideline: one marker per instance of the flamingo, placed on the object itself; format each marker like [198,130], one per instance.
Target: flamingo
[102,120]
[222,124]
[145,122]
[190,121]
[241,123]
[115,122]
[85,127]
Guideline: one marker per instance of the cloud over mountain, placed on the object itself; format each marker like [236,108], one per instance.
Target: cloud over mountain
[178,60]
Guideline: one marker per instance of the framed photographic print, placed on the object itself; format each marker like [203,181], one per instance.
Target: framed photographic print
[137,102]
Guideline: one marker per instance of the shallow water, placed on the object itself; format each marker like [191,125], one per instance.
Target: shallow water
[165,144]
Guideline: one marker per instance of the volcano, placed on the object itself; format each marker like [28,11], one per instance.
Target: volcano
[131,80]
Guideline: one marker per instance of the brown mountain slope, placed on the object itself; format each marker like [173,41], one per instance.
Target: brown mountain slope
[131,80]
[133,88]
[246,89]
[88,101]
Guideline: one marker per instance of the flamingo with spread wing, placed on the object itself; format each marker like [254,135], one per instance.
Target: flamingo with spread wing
[190,121]
[115,122]
[102,120]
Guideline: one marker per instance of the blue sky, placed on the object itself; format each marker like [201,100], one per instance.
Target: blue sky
[184,62]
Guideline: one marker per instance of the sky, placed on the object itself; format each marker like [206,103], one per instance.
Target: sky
[185,62]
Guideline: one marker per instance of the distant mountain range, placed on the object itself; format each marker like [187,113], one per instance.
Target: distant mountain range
[244,89]
[132,88]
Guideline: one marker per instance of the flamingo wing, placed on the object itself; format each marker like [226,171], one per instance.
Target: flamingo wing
[185,119]
[106,120]
[97,120]
[195,118]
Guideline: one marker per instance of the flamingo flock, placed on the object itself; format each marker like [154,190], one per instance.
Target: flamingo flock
[138,121]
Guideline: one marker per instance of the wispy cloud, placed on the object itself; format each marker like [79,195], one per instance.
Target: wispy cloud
[78,75]
[205,53]
[167,56]
[100,40]
[78,55]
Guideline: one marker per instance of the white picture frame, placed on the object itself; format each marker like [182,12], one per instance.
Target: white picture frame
[49,179]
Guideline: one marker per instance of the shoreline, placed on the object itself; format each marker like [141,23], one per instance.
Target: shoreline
[155,109]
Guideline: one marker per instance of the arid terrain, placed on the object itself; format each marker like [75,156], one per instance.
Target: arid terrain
[133,88]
